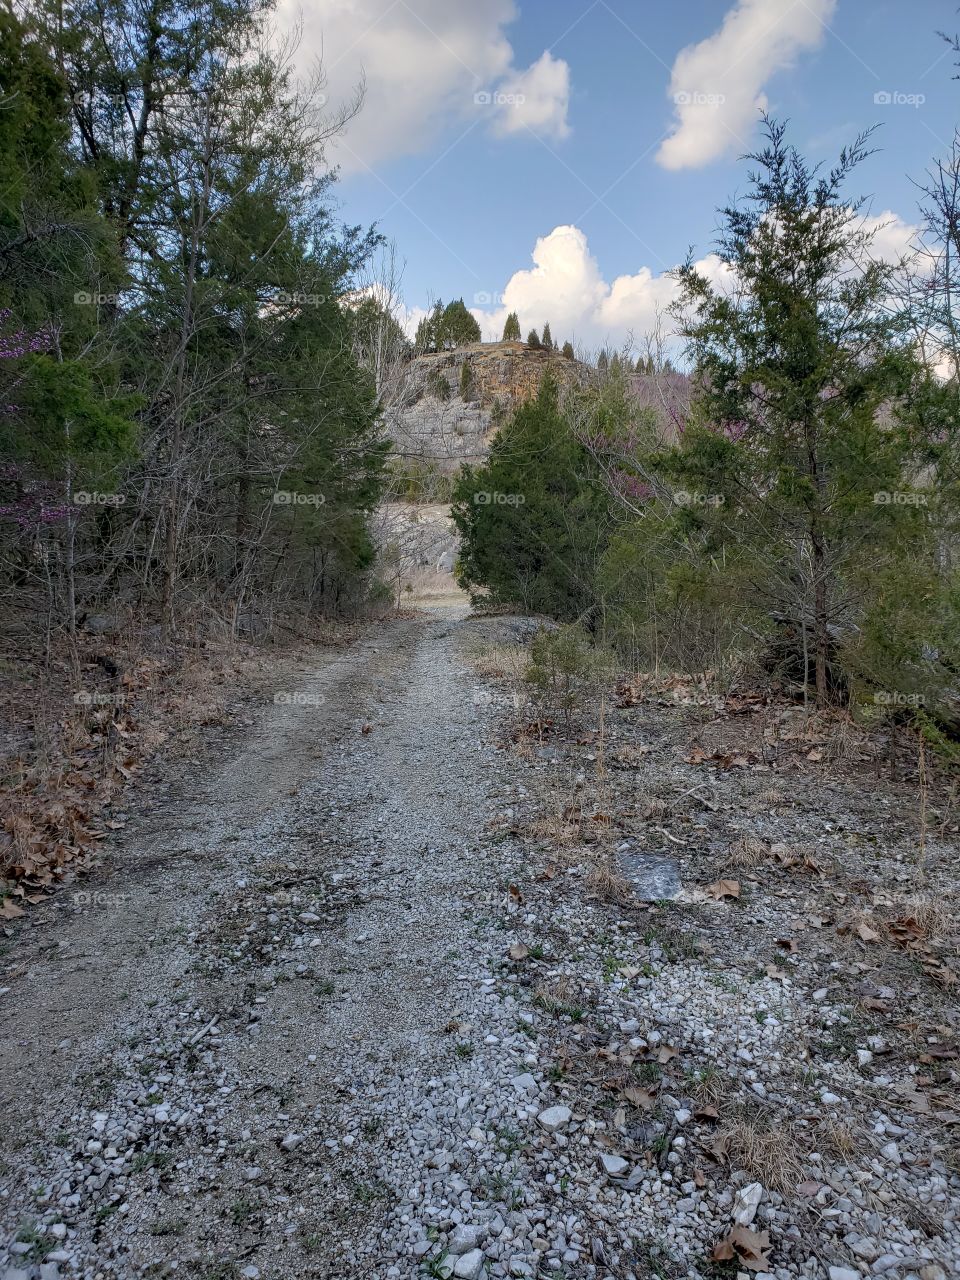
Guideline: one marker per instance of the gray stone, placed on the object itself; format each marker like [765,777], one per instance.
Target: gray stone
[469,1266]
[844,1273]
[655,877]
[554,1118]
[525,1083]
[463,1239]
[615,1166]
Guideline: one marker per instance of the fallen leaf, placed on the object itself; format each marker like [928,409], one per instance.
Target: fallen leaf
[519,951]
[866,933]
[699,1178]
[788,944]
[752,1248]
[666,1052]
[638,1097]
[724,889]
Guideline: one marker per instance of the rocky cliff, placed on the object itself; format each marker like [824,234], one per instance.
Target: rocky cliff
[434,416]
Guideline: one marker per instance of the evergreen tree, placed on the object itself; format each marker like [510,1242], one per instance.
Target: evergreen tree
[568,352]
[792,374]
[511,328]
[547,339]
[455,327]
[533,340]
[534,518]
[603,361]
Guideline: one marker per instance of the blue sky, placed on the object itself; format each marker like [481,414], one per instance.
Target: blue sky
[467,188]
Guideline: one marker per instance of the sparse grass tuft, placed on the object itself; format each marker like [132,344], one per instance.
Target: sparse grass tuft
[766,1148]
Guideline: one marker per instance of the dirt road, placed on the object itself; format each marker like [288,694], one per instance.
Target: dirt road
[216,1061]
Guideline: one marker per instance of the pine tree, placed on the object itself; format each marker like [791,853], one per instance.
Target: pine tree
[536,543]
[603,361]
[547,338]
[511,329]
[567,351]
[456,327]
[533,340]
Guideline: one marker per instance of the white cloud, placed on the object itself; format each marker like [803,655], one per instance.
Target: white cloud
[566,288]
[893,239]
[536,99]
[717,85]
[428,65]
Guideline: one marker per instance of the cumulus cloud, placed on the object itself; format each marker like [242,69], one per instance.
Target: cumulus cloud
[717,85]
[428,66]
[536,99]
[566,287]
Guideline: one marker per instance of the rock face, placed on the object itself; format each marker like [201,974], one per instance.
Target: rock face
[451,429]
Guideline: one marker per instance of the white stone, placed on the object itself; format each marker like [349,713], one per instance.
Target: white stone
[746,1203]
[525,1083]
[554,1118]
[470,1265]
[615,1166]
[463,1239]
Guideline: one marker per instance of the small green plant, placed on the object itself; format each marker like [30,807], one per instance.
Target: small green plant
[463,1050]
[241,1211]
[437,1266]
[438,386]
[40,1245]
[168,1227]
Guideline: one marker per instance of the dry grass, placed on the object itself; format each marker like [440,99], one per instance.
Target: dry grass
[932,915]
[766,1148]
[772,798]
[501,661]
[839,1139]
[606,882]
[748,852]
[558,829]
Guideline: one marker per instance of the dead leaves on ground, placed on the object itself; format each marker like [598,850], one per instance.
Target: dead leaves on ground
[751,1248]
[723,889]
[722,759]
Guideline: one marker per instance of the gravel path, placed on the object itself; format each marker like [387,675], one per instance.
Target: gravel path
[254,1044]
[347,1002]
